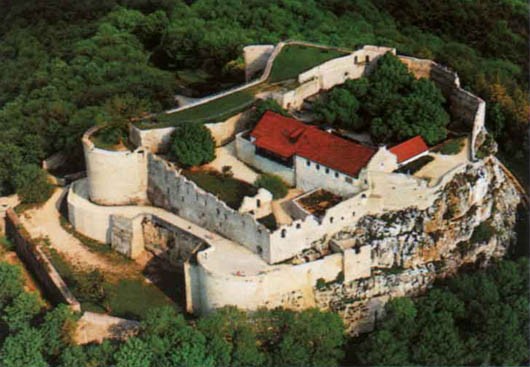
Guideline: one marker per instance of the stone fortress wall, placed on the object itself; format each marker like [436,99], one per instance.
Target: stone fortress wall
[331,73]
[276,246]
[116,177]
[207,287]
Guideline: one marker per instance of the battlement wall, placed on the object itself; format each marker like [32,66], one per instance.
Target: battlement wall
[331,73]
[170,190]
[465,107]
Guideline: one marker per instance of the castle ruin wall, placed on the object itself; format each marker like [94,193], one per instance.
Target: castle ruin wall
[115,177]
[256,57]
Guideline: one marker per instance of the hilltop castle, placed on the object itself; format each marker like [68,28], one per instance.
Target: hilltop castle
[357,228]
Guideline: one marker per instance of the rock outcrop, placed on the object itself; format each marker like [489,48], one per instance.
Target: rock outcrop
[471,222]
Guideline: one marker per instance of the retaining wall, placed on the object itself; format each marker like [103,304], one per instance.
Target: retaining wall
[464,106]
[38,264]
[158,140]
[256,57]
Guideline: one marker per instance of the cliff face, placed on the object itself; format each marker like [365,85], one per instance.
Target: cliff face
[471,222]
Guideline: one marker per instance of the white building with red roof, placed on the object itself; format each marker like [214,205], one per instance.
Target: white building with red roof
[308,157]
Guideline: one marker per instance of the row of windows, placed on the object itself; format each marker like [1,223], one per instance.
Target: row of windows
[327,170]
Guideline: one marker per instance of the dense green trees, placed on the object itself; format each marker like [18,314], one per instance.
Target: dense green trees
[472,319]
[390,102]
[33,336]
[64,63]
[30,335]
[192,145]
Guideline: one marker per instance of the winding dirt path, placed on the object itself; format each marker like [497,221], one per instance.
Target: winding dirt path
[45,222]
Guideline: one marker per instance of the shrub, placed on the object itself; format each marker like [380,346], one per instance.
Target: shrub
[321,283]
[273,183]
[265,105]
[482,233]
[452,147]
[32,185]
[193,145]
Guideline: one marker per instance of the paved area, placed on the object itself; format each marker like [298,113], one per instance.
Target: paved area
[443,164]
[226,156]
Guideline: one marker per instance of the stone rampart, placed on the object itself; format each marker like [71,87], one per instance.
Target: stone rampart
[331,73]
[172,191]
[256,57]
[465,107]
[158,140]
[115,177]
[38,263]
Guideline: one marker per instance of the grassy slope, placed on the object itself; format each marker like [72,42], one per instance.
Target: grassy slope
[296,59]
[291,61]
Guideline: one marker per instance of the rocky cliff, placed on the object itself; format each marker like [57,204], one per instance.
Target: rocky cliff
[471,221]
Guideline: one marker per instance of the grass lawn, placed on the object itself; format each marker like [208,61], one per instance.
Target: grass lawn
[129,297]
[214,111]
[132,298]
[228,189]
[296,59]
[452,146]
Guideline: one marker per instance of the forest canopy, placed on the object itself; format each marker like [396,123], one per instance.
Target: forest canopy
[72,64]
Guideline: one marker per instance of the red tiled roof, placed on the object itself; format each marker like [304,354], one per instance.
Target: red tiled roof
[286,137]
[278,134]
[409,148]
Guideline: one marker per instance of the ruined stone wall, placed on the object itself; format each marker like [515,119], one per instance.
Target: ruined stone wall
[466,108]
[256,57]
[174,192]
[38,263]
[169,242]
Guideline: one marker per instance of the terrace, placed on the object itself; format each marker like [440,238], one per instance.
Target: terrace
[317,202]
[289,63]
